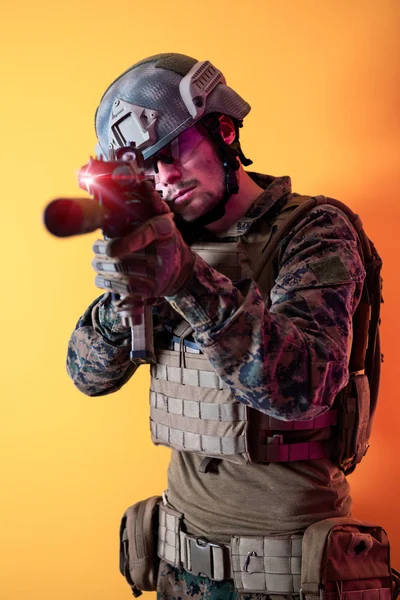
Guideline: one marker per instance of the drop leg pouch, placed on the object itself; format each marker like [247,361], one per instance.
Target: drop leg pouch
[138,545]
[346,559]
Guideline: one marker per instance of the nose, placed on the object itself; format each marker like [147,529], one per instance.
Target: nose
[168,173]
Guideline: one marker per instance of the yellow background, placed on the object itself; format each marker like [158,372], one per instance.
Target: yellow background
[322,78]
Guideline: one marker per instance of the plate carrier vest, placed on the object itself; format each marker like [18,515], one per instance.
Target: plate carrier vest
[192,409]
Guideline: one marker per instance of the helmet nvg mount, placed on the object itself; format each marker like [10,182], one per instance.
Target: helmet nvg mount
[157,99]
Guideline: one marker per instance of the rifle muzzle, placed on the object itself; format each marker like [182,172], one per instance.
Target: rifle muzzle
[65,217]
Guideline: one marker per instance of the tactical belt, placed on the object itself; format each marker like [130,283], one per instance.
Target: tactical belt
[254,563]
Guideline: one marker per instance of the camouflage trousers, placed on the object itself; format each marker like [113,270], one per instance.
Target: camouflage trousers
[178,584]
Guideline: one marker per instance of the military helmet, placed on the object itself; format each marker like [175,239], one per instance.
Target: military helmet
[158,98]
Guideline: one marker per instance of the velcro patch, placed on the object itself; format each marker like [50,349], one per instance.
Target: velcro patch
[331,270]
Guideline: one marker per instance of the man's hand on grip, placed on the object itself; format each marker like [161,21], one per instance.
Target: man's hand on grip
[151,261]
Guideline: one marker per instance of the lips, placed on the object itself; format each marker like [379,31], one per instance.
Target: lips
[182,195]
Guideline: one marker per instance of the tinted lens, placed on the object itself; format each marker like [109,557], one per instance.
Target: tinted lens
[178,151]
[185,145]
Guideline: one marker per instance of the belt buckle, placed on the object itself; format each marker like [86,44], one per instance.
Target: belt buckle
[201,557]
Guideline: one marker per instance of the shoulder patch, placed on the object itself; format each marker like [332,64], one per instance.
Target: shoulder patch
[331,270]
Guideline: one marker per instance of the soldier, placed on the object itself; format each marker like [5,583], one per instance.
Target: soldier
[247,366]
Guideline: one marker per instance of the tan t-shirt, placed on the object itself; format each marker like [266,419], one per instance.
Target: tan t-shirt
[255,499]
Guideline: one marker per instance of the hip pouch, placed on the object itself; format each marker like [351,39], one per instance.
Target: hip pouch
[346,559]
[138,560]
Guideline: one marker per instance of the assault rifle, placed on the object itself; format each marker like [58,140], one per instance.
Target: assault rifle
[118,203]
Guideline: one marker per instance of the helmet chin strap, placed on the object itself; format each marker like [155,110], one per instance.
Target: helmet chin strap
[229,155]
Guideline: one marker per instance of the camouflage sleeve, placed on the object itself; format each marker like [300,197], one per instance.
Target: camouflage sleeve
[98,352]
[291,360]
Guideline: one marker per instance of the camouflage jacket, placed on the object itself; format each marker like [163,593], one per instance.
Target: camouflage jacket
[289,360]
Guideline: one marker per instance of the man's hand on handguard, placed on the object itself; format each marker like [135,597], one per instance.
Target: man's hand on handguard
[151,261]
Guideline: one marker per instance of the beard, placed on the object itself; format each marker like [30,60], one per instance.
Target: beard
[200,204]
[192,223]
[201,201]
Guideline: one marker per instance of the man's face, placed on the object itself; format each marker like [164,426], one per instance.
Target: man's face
[190,174]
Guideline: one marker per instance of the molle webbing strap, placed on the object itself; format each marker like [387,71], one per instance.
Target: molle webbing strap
[186,376]
[194,409]
[273,564]
[168,535]
[276,451]
[195,442]
[273,449]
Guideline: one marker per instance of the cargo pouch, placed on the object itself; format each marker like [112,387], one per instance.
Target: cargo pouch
[346,559]
[138,561]
[353,404]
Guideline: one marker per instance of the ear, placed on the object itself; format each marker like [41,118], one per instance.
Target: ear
[227,129]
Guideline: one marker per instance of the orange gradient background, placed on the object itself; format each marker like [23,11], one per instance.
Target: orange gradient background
[322,78]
